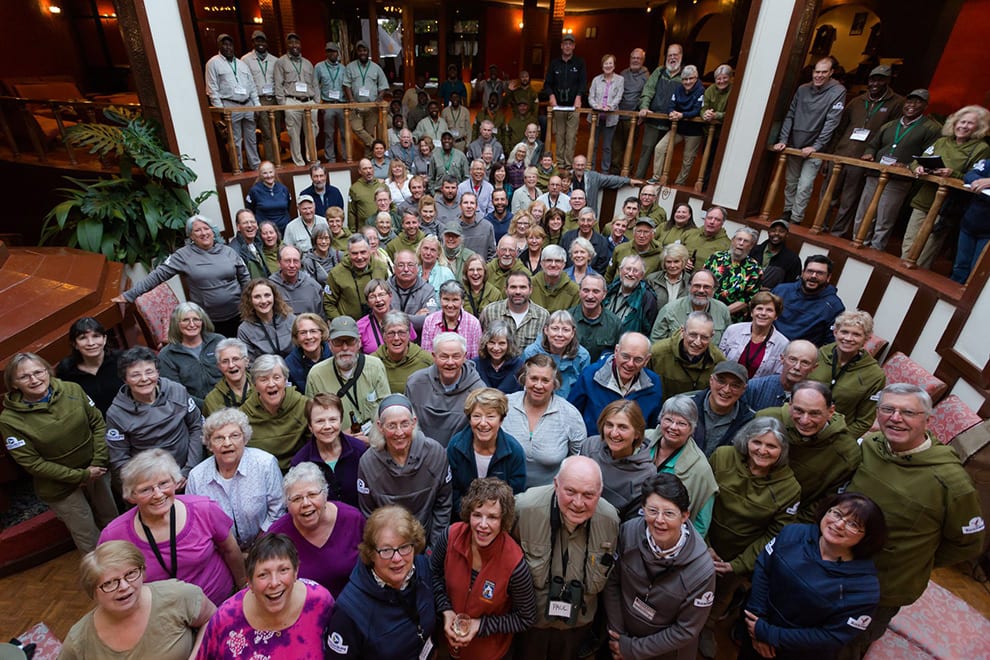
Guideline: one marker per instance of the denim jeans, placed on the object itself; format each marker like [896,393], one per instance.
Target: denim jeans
[801,173]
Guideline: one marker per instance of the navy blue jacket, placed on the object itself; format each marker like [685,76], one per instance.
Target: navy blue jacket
[590,393]
[745,414]
[270,204]
[508,463]
[808,317]
[976,219]
[688,102]
[331,197]
[341,478]
[503,380]
[299,365]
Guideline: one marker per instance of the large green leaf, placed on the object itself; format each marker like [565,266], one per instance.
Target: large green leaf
[89,232]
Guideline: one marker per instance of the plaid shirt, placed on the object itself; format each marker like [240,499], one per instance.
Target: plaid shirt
[467,327]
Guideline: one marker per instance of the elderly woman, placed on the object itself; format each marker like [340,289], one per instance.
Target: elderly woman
[152,412]
[432,263]
[483,449]
[662,577]
[311,337]
[378,253]
[56,434]
[325,533]
[378,293]
[498,358]
[244,481]
[189,358]
[268,319]
[679,228]
[212,272]
[278,615]
[451,317]
[401,357]
[183,537]
[528,192]
[405,467]
[581,253]
[621,453]
[386,611]
[685,104]
[604,95]
[851,372]
[548,427]
[816,579]
[271,243]
[478,625]
[323,253]
[671,283]
[674,452]
[515,168]
[386,232]
[232,390]
[560,342]
[276,410]
[269,198]
[336,454]
[757,344]
[478,291]
[133,619]
[91,365]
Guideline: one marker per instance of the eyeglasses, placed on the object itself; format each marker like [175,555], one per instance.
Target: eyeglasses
[635,359]
[675,422]
[311,495]
[191,321]
[129,577]
[906,414]
[404,550]
[38,374]
[847,520]
[731,383]
[396,333]
[165,485]
[669,515]
[226,362]
[392,427]
[235,437]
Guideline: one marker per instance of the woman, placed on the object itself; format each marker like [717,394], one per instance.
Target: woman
[515,170]
[680,227]
[152,412]
[432,263]
[268,198]
[478,292]
[685,103]
[275,409]
[91,365]
[428,223]
[851,372]
[483,449]
[212,272]
[423,162]
[378,252]
[268,319]
[278,615]
[336,454]
[560,342]
[380,160]
[232,390]
[672,282]
[548,427]
[498,358]
[662,575]
[400,356]
[183,537]
[133,619]
[536,211]
[378,294]
[531,257]
[604,96]
[385,231]
[960,147]
[398,181]
[324,254]
[451,317]
[53,431]
[582,253]
[325,533]
[244,481]
[271,242]
[499,178]
[757,344]
[528,192]
[553,226]
[519,226]
[621,453]
[480,548]
[190,357]
[386,611]
[674,452]
[818,578]
[338,232]
[311,337]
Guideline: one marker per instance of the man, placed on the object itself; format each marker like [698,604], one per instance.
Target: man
[260,64]
[486,138]
[499,216]
[592,182]
[932,510]
[633,81]
[417,190]
[477,234]
[230,86]
[295,85]
[737,274]
[515,130]
[711,239]
[323,193]
[448,162]
[700,298]
[896,143]
[619,375]
[344,292]
[403,150]
[586,223]
[505,262]
[419,112]
[649,207]
[570,516]
[810,304]
[409,237]
[299,232]
[598,329]
[413,295]
[248,245]
[410,99]
[492,87]
[722,411]
[656,97]
[364,82]
[330,78]
[524,318]
[458,121]
[800,358]
[448,203]
[566,83]
[361,196]
[477,185]
[438,392]
[552,289]
[578,201]
[432,124]
[358,379]
[452,237]
[534,146]
[401,357]
[554,197]
[452,85]
[686,360]
[630,298]
[809,125]
[780,264]
[643,245]
[302,292]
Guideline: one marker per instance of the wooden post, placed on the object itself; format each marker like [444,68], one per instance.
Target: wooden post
[591,138]
[859,240]
[235,167]
[61,133]
[817,227]
[699,184]
[774,189]
[926,227]
[308,133]
[382,125]
[36,141]
[8,135]
[346,137]
[276,157]
[630,139]
[669,156]
[548,147]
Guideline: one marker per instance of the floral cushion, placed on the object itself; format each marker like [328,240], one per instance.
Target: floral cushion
[894,647]
[944,626]
[155,309]
[48,645]
[876,345]
[950,418]
[902,369]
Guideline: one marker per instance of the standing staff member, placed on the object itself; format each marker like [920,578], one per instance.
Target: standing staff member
[295,84]
[259,62]
[231,86]
[364,81]
[330,78]
[566,82]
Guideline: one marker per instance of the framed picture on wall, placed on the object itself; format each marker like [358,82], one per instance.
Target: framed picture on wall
[858,24]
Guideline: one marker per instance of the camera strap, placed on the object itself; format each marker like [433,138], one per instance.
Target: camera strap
[555,524]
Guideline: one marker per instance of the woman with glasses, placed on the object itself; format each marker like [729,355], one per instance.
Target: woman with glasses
[133,619]
[336,453]
[232,390]
[275,409]
[190,358]
[378,294]
[311,337]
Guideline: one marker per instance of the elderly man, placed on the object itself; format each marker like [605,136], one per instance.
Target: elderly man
[478,235]
[486,138]
[452,236]
[555,197]
[477,185]
[515,130]
[458,119]
[810,304]
[634,80]
[230,87]
[330,78]
[592,182]
[780,264]
[364,82]
[700,298]
[413,295]
[932,510]
[630,298]
[799,359]
[566,83]
[656,97]
[811,121]
[737,274]
[643,245]
[586,224]
[578,201]
[323,193]
[649,207]
[552,289]
[299,232]
[722,410]
[621,375]
[598,329]
[248,245]
[405,149]
[524,318]
[302,292]
[685,104]
[438,392]
[572,517]
[448,162]
[295,85]
[506,261]
[686,360]
[343,294]
[401,357]
[361,196]
[711,239]
[263,73]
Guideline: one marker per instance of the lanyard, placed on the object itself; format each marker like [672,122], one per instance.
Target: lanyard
[276,348]
[455,117]
[232,63]
[232,400]
[443,323]
[898,136]
[471,300]
[564,552]
[298,67]
[263,65]
[364,74]
[333,78]
[876,108]
[173,552]
[373,322]
[409,607]
[449,157]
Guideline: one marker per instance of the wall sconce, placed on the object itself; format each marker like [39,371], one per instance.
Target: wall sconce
[258,20]
[521,25]
[567,31]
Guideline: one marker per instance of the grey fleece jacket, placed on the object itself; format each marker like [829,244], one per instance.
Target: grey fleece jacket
[479,237]
[197,373]
[622,478]
[303,295]
[441,413]
[413,299]
[813,116]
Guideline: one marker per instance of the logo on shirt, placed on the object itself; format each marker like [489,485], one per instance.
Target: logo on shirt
[793,508]
[706,599]
[113,435]
[336,644]
[862,623]
[488,590]
[361,488]
[769,547]
[91,404]
[14,443]
[975,525]
[449,476]
[839,105]
[191,405]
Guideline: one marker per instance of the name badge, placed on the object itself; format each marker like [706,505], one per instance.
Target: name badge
[860,134]
[888,160]
[427,650]
[302,88]
[642,609]
[559,608]
[364,91]
[268,90]
[333,95]
[456,133]
[239,89]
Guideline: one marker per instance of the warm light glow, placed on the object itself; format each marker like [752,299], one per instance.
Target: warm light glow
[54,9]
[521,25]
[258,20]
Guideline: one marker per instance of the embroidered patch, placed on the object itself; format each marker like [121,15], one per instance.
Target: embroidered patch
[91,404]
[191,406]
[113,435]
[975,525]
[769,547]
[361,488]
[706,600]
[862,623]
[794,508]
[488,590]
[839,105]
[336,644]
[14,443]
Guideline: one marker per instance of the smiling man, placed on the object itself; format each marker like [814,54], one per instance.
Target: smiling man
[810,304]
[342,295]
[524,318]
[738,276]
[552,289]
[438,392]
[722,411]
[686,360]
[300,289]
[780,264]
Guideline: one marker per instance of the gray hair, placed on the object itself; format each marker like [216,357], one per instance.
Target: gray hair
[582,243]
[183,308]
[229,343]
[682,406]
[357,238]
[553,252]
[452,288]
[676,251]
[225,417]
[631,259]
[498,329]
[906,389]
[596,276]
[304,473]
[267,363]
[444,337]
[689,69]
[753,234]
[723,69]
[704,317]
[376,439]
[395,317]
[199,218]
[761,426]
[148,465]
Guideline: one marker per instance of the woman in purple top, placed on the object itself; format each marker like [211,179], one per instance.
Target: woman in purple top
[378,293]
[336,454]
[325,533]
[185,537]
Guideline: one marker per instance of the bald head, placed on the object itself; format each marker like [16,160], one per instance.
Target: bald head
[578,487]
[800,358]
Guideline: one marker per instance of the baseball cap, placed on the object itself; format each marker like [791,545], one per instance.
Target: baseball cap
[333,45]
[567,37]
[344,326]
[729,367]
[920,93]
[644,220]
[882,70]
[453,228]
[305,198]
[258,34]
[224,37]
[781,221]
